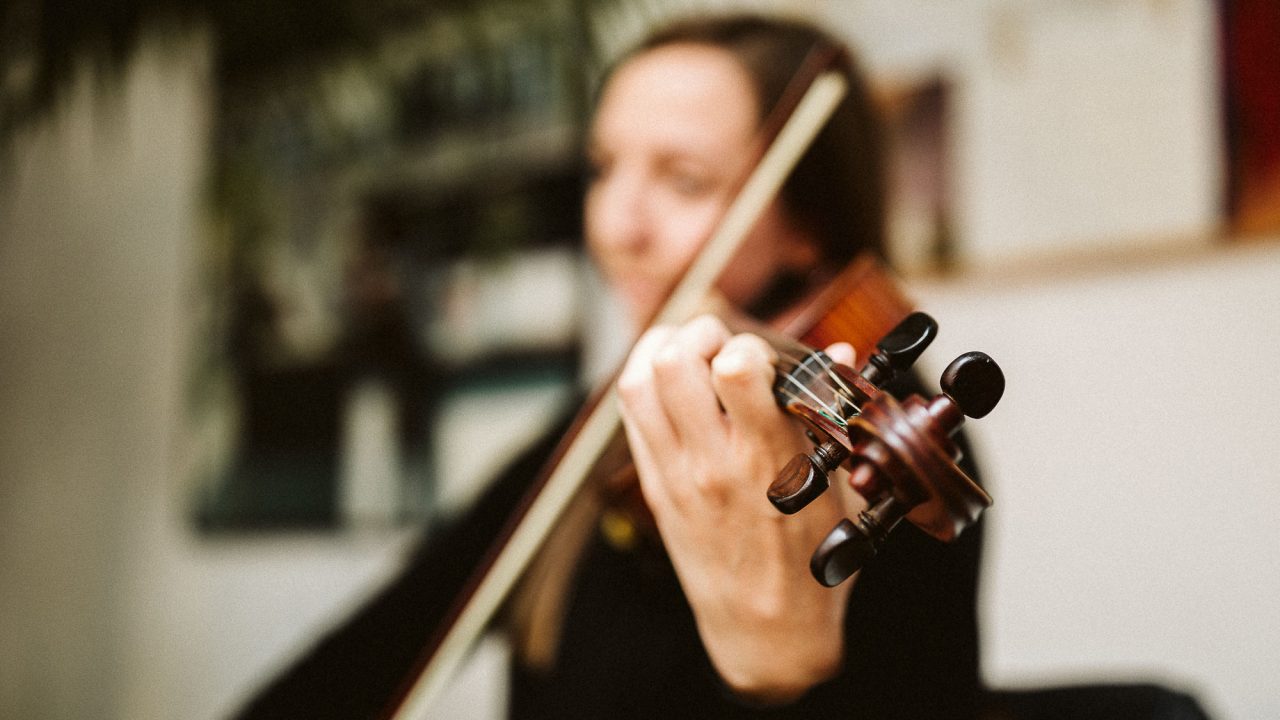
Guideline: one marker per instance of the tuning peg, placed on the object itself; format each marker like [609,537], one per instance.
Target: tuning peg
[805,477]
[975,382]
[900,349]
[852,544]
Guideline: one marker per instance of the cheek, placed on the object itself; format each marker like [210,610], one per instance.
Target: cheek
[682,230]
[643,250]
[689,223]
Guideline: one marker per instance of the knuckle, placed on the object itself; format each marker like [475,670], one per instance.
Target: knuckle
[707,324]
[730,367]
[669,357]
[652,339]
[704,332]
[637,373]
[714,485]
[632,384]
[753,345]
[744,357]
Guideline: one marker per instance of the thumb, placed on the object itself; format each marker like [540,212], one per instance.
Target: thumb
[841,352]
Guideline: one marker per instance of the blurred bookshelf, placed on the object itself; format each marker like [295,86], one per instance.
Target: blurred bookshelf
[395,271]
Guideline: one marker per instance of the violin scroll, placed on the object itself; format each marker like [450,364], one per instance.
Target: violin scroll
[899,454]
[805,477]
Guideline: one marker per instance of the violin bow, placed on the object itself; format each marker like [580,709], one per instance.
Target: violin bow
[811,98]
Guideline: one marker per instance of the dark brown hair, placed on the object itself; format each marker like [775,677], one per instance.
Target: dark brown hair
[836,194]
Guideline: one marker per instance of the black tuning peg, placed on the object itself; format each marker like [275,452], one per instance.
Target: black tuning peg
[975,382]
[852,544]
[900,349]
[805,477]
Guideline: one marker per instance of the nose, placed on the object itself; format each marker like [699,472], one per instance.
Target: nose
[617,213]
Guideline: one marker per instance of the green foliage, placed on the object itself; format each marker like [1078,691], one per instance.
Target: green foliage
[45,43]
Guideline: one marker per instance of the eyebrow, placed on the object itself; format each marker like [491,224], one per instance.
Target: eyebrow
[669,160]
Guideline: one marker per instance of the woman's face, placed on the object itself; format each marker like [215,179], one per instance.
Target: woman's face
[675,129]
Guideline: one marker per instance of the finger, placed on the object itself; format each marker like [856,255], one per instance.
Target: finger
[682,370]
[654,491]
[742,375]
[638,400]
[841,352]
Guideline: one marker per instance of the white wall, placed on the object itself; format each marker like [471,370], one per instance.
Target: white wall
[88,380]
[1077,125]
[1133,467]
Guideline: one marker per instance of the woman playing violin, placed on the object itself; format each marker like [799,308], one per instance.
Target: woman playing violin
[716,615]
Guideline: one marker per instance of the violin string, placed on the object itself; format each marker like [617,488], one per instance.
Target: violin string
[793,380]
[794,396]
[825,411]
[831,380]
[828,365]
[822,379]
[840,385]
[825,362]
[799,366]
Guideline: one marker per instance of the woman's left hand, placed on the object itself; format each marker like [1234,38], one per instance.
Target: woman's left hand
[708,439]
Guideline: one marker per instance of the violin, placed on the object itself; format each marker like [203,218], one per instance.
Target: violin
[898,454]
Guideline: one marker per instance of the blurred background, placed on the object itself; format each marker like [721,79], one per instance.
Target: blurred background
[282,284]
